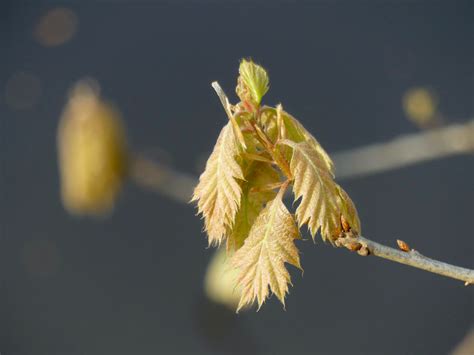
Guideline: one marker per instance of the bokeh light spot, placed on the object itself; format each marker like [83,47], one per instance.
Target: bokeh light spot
[56,27]
[420,106]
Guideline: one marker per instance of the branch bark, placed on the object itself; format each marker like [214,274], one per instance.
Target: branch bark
[412,258]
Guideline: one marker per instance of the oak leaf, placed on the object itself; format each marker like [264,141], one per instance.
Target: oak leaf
[261,260]
[255,194]
[218,192]
[323,202]
[297,133]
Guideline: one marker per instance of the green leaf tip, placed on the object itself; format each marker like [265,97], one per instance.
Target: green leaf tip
[253,82]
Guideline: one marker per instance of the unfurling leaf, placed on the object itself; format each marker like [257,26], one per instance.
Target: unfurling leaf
[323,202]
[237,192]
[254,195]
[252,83]
[297,133]
[218,192]
[261,260]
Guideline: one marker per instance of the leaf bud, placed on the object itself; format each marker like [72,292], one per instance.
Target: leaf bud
[252,83]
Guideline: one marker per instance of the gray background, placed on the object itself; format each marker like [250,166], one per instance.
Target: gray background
[132,284]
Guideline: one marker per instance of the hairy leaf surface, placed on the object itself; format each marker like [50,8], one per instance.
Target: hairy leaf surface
[261,260]
[254,196]
[292,130]
[218,192]
[263,149]
[322,200]
[297,133]
[253,82]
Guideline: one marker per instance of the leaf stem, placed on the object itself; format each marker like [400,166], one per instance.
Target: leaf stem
[271,149]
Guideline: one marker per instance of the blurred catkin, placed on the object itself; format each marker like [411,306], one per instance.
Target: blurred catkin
[92,152]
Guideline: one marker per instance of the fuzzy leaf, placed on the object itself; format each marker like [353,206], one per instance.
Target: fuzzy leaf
[257,177]
[218,192]
[261,260]
[292,130]
[253,82]
[322,200]
[297,133]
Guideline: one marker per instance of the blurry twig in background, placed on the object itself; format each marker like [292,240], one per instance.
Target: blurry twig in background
[406,150]
[162,179]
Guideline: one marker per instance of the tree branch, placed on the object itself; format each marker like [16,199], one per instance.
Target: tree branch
[411,257]
[405,150]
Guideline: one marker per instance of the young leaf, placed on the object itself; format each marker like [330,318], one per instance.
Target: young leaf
[254,196]
[323,202]
[261,260]
[252,83]
[218,193]
[297,133]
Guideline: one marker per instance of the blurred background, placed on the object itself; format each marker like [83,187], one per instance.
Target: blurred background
[354,72]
